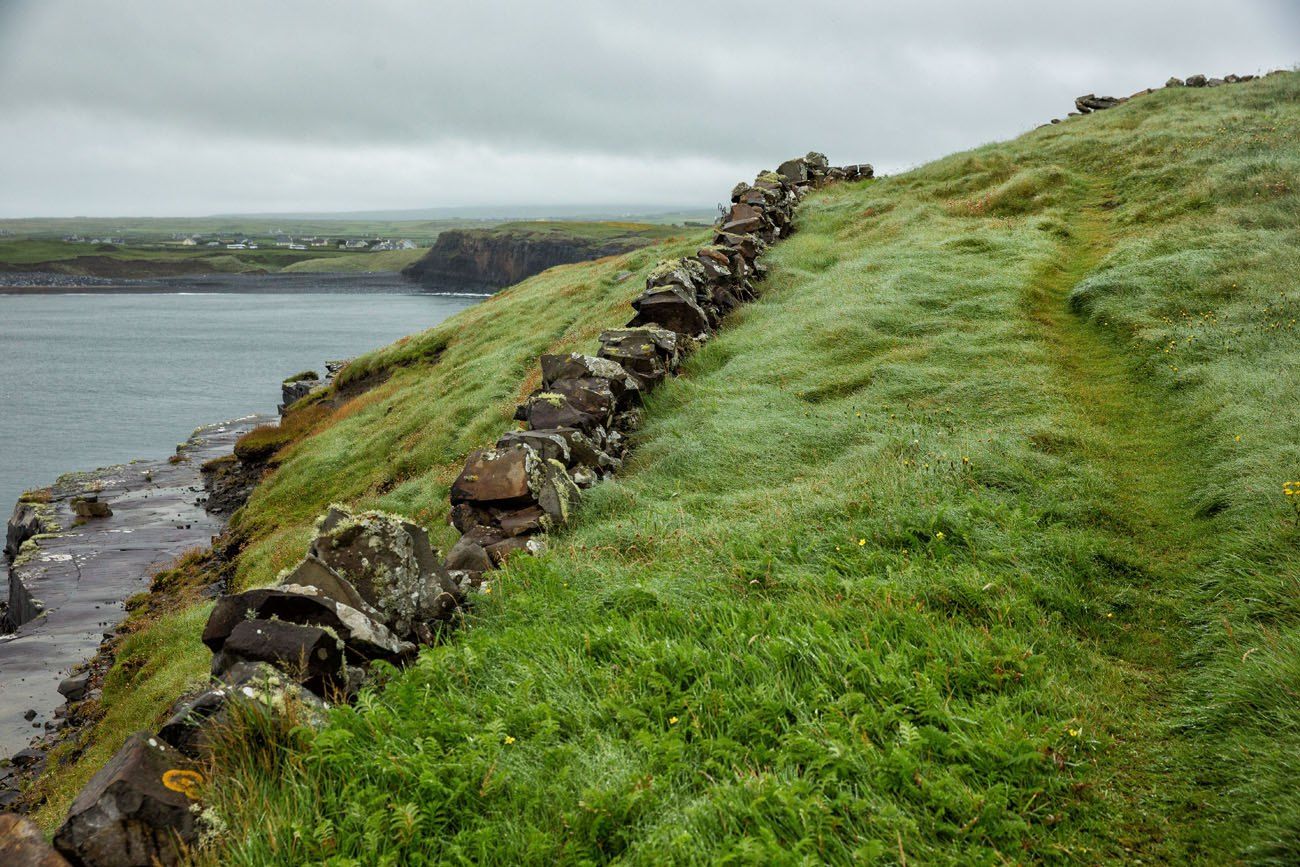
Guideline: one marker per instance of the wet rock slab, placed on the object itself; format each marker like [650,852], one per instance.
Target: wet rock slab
[67,590]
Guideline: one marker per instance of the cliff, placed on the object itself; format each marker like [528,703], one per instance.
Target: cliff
[493,258]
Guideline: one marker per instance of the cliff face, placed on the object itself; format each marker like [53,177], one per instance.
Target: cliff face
[493,258]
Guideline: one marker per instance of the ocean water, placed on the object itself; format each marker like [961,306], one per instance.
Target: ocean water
[89,380]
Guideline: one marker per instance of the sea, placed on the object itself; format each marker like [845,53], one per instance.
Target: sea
[90,379]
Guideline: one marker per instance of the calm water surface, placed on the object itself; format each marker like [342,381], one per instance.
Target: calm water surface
[93,380]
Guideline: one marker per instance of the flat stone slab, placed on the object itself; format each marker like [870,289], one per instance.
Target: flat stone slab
[83,575]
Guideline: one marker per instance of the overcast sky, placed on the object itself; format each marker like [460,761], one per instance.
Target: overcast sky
[171,107]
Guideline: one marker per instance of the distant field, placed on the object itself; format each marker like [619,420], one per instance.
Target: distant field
[128,262]
[163,229]
[586,229]
[150,250]
[388,260]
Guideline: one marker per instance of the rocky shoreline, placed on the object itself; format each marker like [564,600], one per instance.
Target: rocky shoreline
[77,551]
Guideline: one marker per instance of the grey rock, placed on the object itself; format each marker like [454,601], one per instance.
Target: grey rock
[390,564]
[73,687]
[27,520]
[310,655]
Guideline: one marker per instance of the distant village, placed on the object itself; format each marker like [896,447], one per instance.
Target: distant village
[366,245]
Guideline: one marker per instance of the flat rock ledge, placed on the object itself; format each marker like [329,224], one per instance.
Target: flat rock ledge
[75,552]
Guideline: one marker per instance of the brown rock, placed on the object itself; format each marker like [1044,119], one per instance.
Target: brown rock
[90,507]
[648,354]
[493,475]
[468,555]
[673,308]
[574,366]
[23,845]
[135,811]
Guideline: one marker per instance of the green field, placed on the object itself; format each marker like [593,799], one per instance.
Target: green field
[594,231]
[146,256]
[966,543]
[163,229]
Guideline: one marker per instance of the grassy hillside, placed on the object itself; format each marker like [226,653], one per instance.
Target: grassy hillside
[604,231]
[385,260]
[967,543]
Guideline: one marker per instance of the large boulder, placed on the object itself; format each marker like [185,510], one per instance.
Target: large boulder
[23,845]
[309,654]
[90,506]
[363,637]
[495,476]
[744,218]
[295,389]
[514,477]
[135,811]
[1091,102]
[1195,80]
[795,171]
[390,563]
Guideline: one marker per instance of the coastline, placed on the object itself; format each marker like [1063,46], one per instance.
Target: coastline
[341,282]
[69,584]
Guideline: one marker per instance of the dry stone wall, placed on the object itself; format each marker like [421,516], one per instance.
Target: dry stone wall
[371,586]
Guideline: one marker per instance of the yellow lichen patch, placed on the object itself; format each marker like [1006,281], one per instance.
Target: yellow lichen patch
[188,783]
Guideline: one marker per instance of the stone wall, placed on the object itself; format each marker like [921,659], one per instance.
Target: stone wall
[371,587]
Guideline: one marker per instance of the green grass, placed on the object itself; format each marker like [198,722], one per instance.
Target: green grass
[965,544]
[150,260]
[386,260]
[586,229]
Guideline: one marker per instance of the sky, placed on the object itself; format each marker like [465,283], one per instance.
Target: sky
[172,107]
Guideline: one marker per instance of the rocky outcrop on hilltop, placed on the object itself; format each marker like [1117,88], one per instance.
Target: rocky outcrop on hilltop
[487,259]
[1091,102]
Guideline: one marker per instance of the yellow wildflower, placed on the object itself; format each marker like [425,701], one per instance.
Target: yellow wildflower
[509,739]
[672,720]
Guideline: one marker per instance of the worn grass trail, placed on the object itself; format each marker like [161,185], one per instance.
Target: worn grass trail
[1144,449]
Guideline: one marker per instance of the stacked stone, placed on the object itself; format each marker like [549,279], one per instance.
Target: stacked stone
[575,427]
[371,586]
[1090,102]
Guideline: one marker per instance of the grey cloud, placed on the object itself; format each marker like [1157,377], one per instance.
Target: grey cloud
[658,86]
